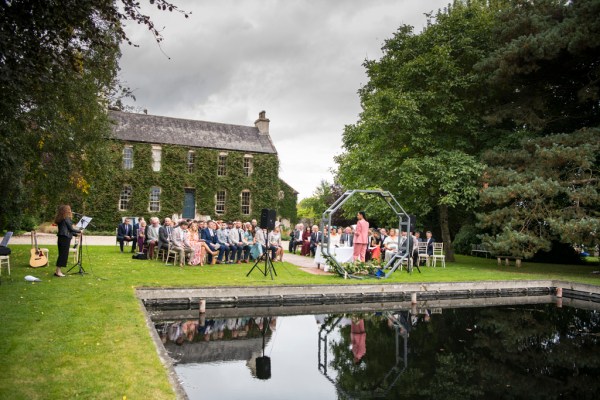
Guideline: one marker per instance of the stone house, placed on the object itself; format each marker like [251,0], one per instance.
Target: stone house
[193,169]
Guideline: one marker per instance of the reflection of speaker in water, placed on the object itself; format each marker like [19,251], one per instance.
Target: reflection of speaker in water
[263,367]
[267,218]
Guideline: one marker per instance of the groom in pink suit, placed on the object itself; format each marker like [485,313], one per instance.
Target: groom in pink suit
[361,237]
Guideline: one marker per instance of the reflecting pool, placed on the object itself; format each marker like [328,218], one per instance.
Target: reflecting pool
[423,352]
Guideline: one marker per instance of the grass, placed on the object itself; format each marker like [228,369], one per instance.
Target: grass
[85,336]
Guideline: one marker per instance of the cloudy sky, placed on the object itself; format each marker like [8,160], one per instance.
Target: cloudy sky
[299,60]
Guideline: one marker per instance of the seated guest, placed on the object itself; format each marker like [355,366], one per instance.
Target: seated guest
[164,234]
[374,249]
[315,240]
[209,235]
[334,238]
[248,239]
[125,233]
[347,238]
[390,245]
[382,235]
[430,241]
[260,242]
[236,241]
[141,234]
[275,245]
[200,247]
[181,243]
[152,236]
[305,250]
[296,238]
[223,240]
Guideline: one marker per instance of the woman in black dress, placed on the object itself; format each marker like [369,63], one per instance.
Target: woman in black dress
[65,234]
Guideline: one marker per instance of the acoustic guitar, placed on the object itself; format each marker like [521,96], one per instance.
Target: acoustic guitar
[38,258]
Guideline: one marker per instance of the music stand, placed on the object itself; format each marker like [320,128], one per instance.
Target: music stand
[269,267]
[82,224]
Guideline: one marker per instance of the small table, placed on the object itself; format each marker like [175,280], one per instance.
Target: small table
[341,255]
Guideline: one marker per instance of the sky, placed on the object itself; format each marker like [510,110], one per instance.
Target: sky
[299,60]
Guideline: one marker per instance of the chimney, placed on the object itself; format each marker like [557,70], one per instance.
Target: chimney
[262,123]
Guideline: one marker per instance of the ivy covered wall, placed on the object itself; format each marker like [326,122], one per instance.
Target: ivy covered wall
[173,178]
[286,207]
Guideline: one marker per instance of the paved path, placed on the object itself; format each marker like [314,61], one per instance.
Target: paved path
[44,239]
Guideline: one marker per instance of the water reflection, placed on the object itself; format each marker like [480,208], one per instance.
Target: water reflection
[525,351]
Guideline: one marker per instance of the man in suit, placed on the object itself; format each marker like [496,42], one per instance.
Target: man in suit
[430,241]
[223,240]
[136,228]
[209,235]
[164,234]
[181,243]
[315,239]
[125,233]
[296,238]
[347,239]
[236,242]
[361,237]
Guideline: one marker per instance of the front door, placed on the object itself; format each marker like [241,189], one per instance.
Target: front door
[189,204]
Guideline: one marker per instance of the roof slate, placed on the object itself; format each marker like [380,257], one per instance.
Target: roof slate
[166,130]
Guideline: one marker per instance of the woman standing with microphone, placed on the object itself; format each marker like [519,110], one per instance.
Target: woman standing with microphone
[65,233]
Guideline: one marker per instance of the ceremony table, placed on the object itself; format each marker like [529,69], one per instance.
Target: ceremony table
[341,255]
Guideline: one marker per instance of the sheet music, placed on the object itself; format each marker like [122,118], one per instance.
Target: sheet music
[83,222]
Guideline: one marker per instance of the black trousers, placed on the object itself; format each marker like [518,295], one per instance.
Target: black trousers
[63,251]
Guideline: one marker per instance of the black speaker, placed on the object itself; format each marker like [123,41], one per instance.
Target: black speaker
[413,223]
[267,218]
[263,367]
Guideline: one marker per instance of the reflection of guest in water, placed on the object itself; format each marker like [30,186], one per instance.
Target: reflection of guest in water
[358,336]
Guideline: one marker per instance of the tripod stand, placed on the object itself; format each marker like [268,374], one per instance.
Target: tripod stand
[79,262]
[269,268]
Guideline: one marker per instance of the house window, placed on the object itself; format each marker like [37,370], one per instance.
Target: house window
[156,155]
[154,205]
[125,197]
[246,202]
[128,157]
[191,159]
[281,195]
[220,202]
[247,165]
[222,164]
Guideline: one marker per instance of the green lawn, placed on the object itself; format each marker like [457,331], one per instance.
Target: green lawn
[85,336]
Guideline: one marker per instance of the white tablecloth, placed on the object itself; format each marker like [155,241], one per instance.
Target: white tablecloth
[341,254]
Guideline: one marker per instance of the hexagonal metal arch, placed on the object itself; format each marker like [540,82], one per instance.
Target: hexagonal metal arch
[403,225]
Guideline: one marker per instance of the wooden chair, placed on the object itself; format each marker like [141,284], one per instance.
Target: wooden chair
[438,254]
[174,254]
[422,253]
[5,259]
[5,262]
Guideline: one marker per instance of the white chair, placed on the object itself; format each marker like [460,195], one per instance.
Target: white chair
[422,253]
[438,254]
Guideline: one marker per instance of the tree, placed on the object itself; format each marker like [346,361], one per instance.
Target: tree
[556,197]
[58,68]
[542,182]
[422,125]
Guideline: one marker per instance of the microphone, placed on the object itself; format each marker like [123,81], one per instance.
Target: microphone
[76,213]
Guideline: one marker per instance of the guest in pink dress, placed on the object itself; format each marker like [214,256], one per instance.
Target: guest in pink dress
[200,247]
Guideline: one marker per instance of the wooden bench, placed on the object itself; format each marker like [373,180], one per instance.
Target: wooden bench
[507,260]
[479,248]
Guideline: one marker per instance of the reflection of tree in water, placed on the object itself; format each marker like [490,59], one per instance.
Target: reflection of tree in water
[520,352]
